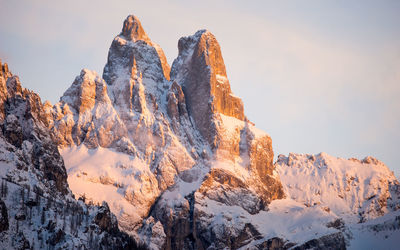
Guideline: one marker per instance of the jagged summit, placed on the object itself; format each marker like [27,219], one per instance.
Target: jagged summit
[133,55]
[200,70]
[133,30]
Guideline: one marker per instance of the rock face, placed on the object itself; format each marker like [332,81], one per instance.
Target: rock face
[37,209]
[85,115]
[200,70]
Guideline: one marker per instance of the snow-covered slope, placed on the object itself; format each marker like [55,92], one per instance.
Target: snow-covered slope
[352,189]
[380,233]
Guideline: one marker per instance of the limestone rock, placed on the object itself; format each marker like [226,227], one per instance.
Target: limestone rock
[85,114]
[200,70]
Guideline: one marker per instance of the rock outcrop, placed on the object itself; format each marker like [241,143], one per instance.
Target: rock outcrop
[85,115]
[200,70]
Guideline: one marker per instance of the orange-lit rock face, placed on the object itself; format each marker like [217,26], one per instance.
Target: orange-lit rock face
[200,69]
[208,51]
[133,30]
[85,114]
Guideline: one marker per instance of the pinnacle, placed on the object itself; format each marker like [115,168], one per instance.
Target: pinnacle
[133,30]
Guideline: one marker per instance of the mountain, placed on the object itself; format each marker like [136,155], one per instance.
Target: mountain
[38,210]
[171,152]
[141,133]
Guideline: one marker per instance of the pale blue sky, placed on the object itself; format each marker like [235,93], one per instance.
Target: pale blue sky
[316,75]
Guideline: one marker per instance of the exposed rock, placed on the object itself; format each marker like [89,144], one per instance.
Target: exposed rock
[85,115]
[159,123]
[176,103]
[330,242]
[178,161]
[25,127]
[224,187]
[152,234]
[200,70]
[56,237]
[105,219]
[14,86]
[13,130]
[274,243]
[132,30]
[3,217]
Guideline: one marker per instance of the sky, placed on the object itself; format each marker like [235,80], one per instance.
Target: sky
[318,76]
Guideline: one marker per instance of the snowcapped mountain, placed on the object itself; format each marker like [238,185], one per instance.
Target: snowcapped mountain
[139,132]
[180,166]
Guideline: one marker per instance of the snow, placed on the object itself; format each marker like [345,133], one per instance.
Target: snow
[238,169]
[286,219]
[291,220]
[103,174]
[221,79]
[380,233]
[232,124]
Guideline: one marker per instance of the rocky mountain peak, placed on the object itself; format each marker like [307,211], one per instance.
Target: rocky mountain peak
[200,70]
[4,69]
[133,55]
[133,30]
[4,74]
[87,88]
